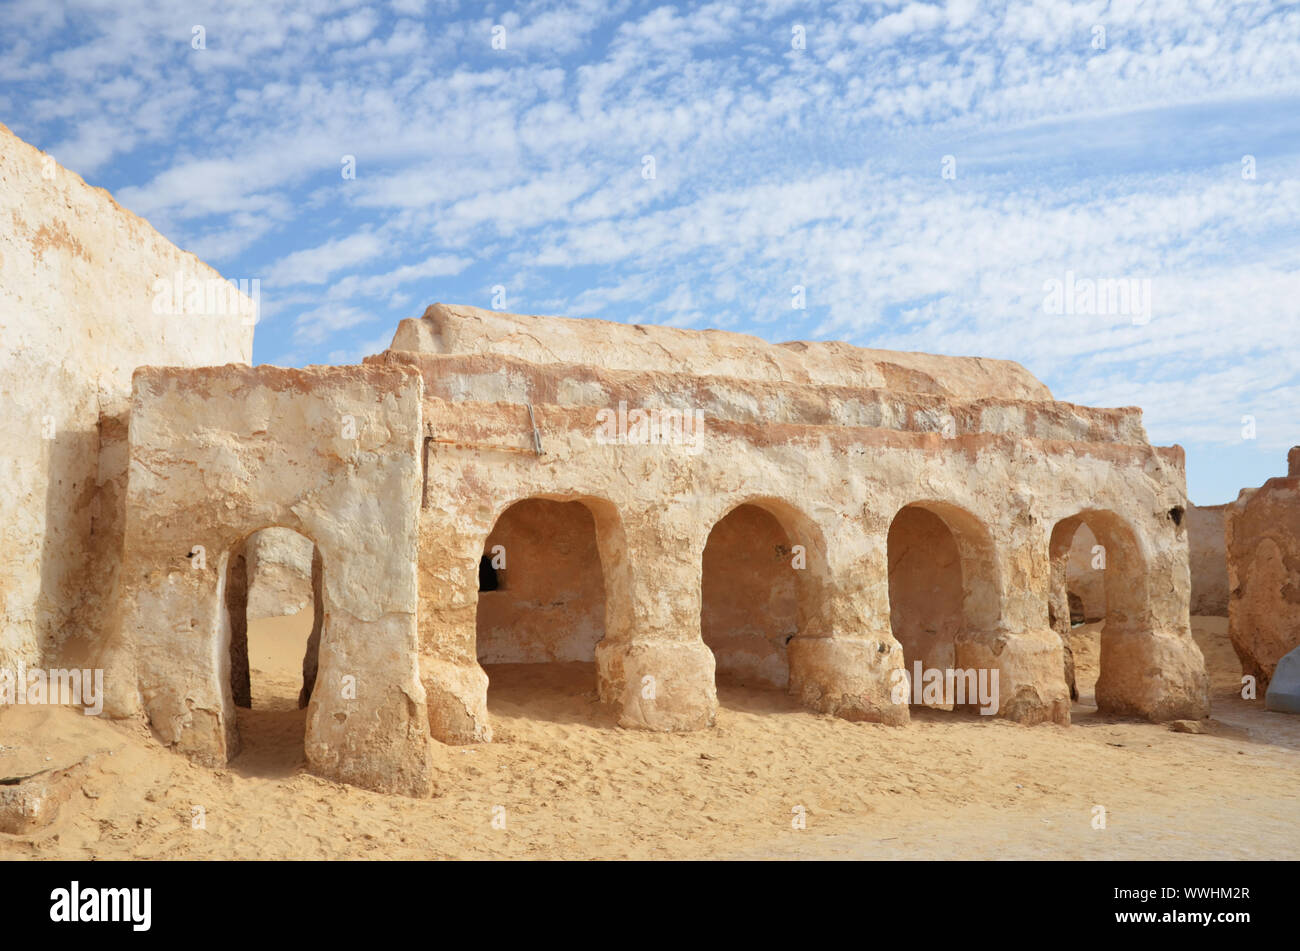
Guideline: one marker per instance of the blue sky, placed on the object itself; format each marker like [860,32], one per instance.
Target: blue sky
[1114,155]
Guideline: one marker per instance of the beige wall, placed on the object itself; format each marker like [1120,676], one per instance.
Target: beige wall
[456,329]
[1262,540]
[77,291]
[777,467]
[1208,559]
[332,453]
[835,488]
[279,573]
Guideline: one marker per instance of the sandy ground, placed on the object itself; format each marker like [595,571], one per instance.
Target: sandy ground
[572,785]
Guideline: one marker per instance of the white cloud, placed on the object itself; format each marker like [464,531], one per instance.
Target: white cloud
[321,323]
[316,265]
[381,285]
[352,28]
[95,142]
[774,166]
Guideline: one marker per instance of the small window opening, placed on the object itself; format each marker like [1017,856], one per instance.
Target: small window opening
[488,579]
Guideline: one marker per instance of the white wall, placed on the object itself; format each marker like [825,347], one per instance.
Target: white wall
[77,316]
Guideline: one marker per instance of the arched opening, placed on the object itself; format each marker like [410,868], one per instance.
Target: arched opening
[1085,581]
[541,610]
[275,610]
[1097,593]
[1077,606]
[750,598]
[943,583]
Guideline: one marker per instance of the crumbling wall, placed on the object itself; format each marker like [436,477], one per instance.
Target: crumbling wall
[450,328]
[786,429]
[79,311]
[1208,559]
[1263,548]
[219,453]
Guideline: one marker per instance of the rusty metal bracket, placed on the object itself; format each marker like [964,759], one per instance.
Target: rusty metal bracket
[430,439]
[537,437]
[424,489]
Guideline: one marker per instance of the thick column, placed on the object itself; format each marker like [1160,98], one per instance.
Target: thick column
[1013,635]
[1154,674]
[455,685]
[1150,665]
[653,667]
[845,660]
[177,614]
[1030,670]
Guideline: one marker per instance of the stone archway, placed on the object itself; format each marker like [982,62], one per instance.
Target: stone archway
[943,591]
[542,606]
[256,433]
[1092,667]
[750,598]
[764,599]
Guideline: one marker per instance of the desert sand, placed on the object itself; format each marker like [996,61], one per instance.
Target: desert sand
[575,786]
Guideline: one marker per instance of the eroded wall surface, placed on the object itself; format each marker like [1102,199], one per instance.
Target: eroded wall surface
[678,529]
[1263,549]
[78,290]
[332,453]
[457,329]
[833,463]
[1208,559]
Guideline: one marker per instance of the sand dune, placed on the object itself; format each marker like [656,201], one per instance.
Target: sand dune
[575,786]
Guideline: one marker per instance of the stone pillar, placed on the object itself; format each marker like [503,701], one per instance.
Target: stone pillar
[1014,636]
[177,614]
[846,662]
[1150,665]
[1154,674]
[652,666]
[366,722]
[455,685]
[1030,668]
